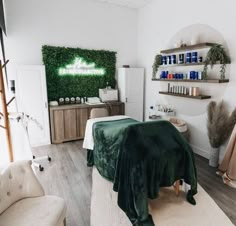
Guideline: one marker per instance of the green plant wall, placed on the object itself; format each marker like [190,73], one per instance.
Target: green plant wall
[72,85]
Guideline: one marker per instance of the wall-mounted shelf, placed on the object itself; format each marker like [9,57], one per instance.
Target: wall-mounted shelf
[184,65]
[200,97]
[183,49]
[181,65]
[191,80]
[191,47]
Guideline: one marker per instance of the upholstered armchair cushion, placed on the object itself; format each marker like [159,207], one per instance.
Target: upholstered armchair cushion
[22,199]
[40,211]
[18,181]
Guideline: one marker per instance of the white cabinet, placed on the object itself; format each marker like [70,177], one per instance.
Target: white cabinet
[131,91]
[31,96]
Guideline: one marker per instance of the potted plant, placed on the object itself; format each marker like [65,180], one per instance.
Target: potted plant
[156,64]
[219,126]
[216,54]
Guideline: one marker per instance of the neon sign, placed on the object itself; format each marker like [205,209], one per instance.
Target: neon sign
[82,68]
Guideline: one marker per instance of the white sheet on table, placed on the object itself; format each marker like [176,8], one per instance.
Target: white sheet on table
[88,138]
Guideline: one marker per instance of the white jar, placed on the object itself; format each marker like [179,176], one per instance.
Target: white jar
[194,40]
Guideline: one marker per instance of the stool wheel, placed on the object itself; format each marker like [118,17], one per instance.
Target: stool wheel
[41,168]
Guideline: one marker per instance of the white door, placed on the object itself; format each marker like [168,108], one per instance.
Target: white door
[31,97]
[134,93]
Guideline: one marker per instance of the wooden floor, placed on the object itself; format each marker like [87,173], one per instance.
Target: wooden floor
[69,177]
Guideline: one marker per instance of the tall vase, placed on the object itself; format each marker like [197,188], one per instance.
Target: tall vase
[214,157]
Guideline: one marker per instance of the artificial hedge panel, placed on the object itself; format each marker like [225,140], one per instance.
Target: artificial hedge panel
[73,86]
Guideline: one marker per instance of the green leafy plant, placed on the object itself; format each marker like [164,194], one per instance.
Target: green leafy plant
[216,54]
[219,124]
[73,86]
[156,64]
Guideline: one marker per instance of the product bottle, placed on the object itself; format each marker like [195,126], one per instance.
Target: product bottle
[82,100]
[200,75]
[151,111]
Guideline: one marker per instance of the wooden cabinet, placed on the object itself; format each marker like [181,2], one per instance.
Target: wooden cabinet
[68,122]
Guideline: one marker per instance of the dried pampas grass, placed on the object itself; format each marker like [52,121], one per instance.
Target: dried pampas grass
[220,124]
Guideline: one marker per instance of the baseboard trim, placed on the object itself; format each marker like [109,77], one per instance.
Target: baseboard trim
[48,142]
[200,151]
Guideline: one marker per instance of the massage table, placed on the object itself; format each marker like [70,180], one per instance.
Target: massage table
[139,158]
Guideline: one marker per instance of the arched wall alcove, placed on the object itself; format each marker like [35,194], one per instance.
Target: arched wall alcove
[194,112]
[202,33]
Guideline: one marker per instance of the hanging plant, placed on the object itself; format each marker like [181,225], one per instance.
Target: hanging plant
[156,64]
[216,54]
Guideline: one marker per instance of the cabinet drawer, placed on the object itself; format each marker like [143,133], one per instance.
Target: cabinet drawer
[115,110]
[70,124]
[82,117]
[58,126]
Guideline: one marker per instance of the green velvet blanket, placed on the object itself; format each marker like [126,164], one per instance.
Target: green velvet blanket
[107,137]
[139,158]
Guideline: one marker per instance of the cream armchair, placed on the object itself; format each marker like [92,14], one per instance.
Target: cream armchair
[22,199]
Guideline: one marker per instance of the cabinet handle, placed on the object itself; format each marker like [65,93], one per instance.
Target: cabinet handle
[46,105]
[126,99]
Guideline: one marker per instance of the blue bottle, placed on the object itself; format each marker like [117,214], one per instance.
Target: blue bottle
[194,57]
[188,58]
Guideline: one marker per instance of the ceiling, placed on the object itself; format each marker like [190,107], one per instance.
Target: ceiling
[128,3]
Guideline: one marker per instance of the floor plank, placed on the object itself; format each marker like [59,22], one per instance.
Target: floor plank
[223,195]
[69,177]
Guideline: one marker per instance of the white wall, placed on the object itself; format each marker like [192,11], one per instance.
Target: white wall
[70,23]
[158,24]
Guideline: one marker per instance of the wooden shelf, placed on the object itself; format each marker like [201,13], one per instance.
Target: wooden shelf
[181,65]
[200,97]
[191,47]
[185,65]
[192,80]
